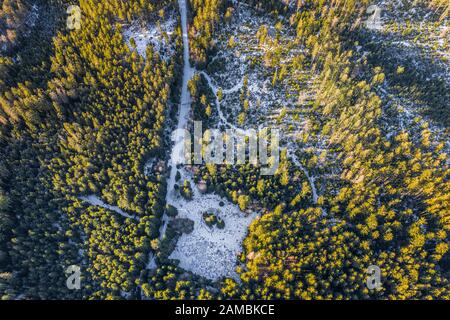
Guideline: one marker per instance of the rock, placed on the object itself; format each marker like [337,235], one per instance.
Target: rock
[202,187]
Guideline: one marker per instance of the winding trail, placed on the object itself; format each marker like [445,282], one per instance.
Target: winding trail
[96,201]
[215,90]
[311,179]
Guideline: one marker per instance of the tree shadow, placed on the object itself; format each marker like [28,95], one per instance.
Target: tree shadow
[412,73]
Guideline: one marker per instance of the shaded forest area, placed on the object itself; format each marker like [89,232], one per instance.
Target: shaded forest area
[81,112]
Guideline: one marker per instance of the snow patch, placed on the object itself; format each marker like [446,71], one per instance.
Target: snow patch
[157,35]
[211,252]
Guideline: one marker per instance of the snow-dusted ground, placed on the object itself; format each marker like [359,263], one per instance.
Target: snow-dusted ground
[269,105]
[211,252]
[29,22]
[96,201]
[232,66]
[32,17]
[215,90]
[159,36]
[183,112]
[185,101]
[149,166]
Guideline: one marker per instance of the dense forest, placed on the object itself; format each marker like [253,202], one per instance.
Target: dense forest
[89,115]
[85,115]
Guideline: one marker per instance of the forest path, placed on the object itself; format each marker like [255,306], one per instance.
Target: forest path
[183,118]
[311,179]
[207,252]
[97,202]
